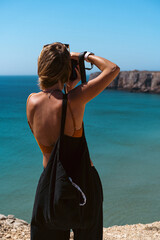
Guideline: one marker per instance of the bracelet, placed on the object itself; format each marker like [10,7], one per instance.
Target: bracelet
[87,54]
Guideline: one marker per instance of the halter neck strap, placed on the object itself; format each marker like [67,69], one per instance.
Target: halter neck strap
[64,108]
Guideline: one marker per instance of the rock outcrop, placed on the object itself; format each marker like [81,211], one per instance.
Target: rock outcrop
[12,228]
[135,81]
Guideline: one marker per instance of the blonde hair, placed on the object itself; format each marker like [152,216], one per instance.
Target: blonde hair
[54,64]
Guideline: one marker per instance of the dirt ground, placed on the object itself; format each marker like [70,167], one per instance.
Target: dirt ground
[12,228]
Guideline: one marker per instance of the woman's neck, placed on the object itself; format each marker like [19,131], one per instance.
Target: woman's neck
[56,87]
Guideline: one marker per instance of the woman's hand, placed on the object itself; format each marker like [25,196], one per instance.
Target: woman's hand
[75,55]
[71,84]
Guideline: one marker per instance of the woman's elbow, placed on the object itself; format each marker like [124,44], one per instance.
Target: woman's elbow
[116,68]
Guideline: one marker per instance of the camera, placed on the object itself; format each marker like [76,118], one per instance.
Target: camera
[74,64]
[81,64]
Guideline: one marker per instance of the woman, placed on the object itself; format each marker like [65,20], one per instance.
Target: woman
[44,114]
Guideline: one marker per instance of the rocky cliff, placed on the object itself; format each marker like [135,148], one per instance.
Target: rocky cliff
[12,228]
[135,81]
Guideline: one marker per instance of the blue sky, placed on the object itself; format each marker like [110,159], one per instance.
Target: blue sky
[125,32]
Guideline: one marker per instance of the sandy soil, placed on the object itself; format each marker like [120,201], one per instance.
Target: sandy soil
[13,228]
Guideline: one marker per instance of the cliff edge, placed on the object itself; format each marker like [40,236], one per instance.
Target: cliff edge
[12,228]
[135,81]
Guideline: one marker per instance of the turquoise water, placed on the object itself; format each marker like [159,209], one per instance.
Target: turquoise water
[123,134]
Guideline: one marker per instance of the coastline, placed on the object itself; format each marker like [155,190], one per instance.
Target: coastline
[135,81]
[15,228]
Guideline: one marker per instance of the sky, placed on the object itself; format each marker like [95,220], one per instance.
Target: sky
[122,31]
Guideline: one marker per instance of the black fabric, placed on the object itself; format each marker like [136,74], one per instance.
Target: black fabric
[56,205]
[95,232]
[82,66]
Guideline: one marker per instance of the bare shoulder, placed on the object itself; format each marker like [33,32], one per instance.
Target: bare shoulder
[33,100]
[33,97]
[74,98]
[31,104]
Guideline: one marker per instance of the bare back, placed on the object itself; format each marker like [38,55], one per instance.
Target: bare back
[44,116]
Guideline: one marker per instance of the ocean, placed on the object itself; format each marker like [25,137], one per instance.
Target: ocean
[123,136]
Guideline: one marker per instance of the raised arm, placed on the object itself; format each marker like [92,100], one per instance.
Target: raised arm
[87,91]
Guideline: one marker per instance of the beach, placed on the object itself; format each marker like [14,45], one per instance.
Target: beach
[18,229]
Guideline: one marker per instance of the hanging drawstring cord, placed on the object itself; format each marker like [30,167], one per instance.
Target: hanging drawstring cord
[83,195]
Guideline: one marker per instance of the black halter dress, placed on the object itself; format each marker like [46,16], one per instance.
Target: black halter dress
[69,163]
